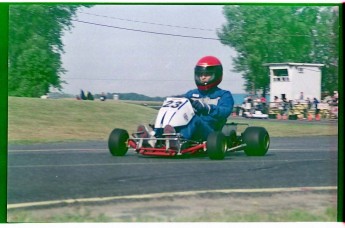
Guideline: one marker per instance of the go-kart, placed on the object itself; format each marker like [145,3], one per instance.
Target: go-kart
[178,112]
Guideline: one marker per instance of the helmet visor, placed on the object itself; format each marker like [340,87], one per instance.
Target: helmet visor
[204,75]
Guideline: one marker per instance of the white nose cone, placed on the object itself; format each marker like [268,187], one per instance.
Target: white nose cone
[174,111]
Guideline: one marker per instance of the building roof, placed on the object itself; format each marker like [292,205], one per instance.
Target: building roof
[294,64]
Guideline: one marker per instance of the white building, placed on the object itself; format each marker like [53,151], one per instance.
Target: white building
[290,79]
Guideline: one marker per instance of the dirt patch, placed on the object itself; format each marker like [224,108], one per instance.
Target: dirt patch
[206,207]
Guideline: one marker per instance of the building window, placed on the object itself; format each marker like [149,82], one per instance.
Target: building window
[281,79]
[300,70]
[280,72]
[280,75]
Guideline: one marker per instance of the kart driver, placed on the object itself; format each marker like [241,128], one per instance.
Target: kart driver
[212,104]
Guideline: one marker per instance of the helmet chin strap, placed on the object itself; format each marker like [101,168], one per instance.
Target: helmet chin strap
[208,86]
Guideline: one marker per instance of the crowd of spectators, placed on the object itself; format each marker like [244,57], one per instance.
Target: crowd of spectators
[255,103]
[252,104]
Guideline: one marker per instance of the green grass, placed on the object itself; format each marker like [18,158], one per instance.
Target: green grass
[78,216]
[298,215]
[52,120]
[290,128]
[40,120]
[86,215]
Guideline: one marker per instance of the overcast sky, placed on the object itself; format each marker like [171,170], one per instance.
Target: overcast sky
[108,59]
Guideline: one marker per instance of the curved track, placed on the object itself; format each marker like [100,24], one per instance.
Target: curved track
[60,171]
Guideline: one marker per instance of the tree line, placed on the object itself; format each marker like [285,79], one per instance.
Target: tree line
[35,47]
[282,33]
[259,34]
[123,96]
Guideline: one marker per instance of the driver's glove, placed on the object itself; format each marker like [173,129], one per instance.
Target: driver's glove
[201,107]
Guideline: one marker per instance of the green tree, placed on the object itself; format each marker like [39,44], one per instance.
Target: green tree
[35,47]
[327,47]
[267,34]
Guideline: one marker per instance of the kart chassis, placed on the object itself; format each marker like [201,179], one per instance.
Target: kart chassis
[177,112]
[193,146]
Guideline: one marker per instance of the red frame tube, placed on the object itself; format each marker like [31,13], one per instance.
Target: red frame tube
[132,144]
[163,151]
[194,149]
[157,152]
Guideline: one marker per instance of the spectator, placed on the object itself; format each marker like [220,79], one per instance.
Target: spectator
[335,98]
[263,104]
[301,97]
[315,103]
[277,102]
[276,99]
[309,103]
[249,100]
[243,109]
[286,106]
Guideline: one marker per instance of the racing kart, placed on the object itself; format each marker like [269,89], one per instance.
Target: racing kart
[178,112]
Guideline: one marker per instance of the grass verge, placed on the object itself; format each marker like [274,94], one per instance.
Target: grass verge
[39,120]
[34,120]
[86,215]
[304,206]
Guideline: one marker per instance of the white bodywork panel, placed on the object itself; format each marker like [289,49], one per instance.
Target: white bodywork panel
[175,112]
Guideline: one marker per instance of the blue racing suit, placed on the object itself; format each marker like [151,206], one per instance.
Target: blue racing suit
[221,104]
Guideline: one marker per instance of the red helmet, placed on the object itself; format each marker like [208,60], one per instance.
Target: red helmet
[211,66]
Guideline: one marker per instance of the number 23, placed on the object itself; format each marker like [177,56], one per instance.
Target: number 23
[172,104]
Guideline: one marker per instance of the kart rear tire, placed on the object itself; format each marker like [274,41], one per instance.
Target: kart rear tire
[117,142]
[257,141]
[216,145]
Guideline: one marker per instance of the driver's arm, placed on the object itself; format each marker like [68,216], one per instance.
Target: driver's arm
[224,107]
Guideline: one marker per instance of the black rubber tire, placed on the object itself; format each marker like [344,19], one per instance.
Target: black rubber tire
[257,140]
[117,142]
[216,145]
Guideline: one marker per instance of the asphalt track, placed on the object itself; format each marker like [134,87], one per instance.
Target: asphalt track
[86,170]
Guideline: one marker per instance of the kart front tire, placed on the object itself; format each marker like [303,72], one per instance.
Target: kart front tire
[117,142]
[257,141]
[216,145]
